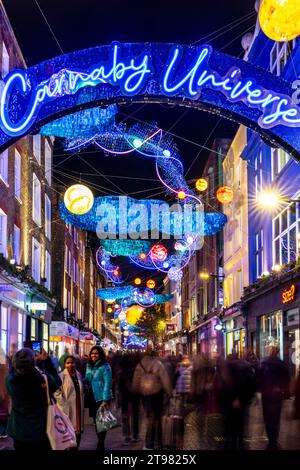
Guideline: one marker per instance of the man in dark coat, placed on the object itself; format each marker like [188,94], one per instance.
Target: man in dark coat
[274,386]
[27,389]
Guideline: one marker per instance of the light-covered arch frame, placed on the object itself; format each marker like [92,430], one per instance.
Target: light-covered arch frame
[196,77]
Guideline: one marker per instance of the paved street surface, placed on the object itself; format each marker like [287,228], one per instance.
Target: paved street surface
[193,436]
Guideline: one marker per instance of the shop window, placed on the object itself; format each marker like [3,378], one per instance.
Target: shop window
[3,233]
[45,336]
[4,166]
[37,147]
[36,199]
[48,162]
[17,244]
[284,220]
[292,244]
[33,328]
[47,217]
[20,330]
[17,175]
[5,60]
[36,260]
[270,332]
[4,329]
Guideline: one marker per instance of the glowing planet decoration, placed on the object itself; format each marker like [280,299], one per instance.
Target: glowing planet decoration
[150,284]
[133,314]
[201,184]
[175,274]
[181,195]
[280,19]
[109,309]
[78,199]
[225,194]
[158,253]
[138,281]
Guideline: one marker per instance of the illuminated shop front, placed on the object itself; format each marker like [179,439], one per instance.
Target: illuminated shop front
[273,320]
[234,330]
[62,336]
[12,316]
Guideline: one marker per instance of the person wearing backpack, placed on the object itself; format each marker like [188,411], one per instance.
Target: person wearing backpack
[152,381]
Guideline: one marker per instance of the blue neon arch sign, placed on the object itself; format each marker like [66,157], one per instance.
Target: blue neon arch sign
[192,76]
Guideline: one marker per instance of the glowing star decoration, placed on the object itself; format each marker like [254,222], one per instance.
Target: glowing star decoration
[133,314]
[280,19]
[224,194]
[150,284]
[201,184]
[138,281]
[181,195]
[158,253]
[78,199]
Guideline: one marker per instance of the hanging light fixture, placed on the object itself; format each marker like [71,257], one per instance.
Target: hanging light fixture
[78,199]
[225,194]
[201,184]
[280,19]
[150,284]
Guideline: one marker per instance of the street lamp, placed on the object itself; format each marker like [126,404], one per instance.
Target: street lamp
[270,199]
[204,275]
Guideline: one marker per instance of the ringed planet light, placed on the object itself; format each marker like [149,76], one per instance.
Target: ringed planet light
[78,199]
[280,19]
[150,283]
[158,253]
[201,184]
[224,194]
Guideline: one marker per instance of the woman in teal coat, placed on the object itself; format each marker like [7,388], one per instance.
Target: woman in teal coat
[99,378]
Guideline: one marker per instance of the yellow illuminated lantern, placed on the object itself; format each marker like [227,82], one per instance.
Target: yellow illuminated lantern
[78,199]
[133,314]
[138,281]
[201,184]
[150,284]
[280,19]
[225,194]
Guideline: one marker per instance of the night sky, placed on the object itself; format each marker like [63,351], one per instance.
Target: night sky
[79,24]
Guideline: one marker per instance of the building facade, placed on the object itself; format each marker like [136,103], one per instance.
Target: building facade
[25,226]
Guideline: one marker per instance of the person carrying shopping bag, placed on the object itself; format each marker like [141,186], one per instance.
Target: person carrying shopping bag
[70,396]
[99,379]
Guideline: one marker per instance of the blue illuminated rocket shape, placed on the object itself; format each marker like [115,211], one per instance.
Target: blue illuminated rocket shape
[82,124]
[118,215]
[193,76]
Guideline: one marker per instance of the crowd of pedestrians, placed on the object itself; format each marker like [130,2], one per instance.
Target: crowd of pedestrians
[160,390]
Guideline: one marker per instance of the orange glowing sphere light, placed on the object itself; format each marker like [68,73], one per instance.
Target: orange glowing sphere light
[225,194]
[150,284]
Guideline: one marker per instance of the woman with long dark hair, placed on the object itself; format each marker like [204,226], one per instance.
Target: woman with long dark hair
[99,378]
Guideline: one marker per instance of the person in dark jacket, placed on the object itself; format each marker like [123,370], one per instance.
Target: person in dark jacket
[274,386]
[98,377]
[27,389]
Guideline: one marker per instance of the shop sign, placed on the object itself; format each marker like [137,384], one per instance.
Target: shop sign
[60,328]
[38,306]
[288,295]
[12,295]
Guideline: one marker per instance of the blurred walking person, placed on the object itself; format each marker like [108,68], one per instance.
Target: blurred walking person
[274,386]
[98,377]
[27,389]
[70,396]
[184,380]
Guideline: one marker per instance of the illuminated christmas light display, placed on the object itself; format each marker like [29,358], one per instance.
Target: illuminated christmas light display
[78,199]
[126,247]
[158,253]
[224,194]
[138,281]
[280,19]
[150,283]
[201,184]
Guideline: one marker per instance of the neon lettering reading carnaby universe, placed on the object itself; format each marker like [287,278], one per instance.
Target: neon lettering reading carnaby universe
[131,74]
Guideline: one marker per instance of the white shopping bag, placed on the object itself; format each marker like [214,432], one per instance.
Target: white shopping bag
[60,430]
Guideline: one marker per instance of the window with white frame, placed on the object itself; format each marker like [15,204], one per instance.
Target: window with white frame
[20,330]
[4,166]
[3,233]
[48,162]
[17,175]
[37,147]
[47,217]
[36,199]
[75,271]
[258,176]
[286,229]
[279,159]
[5,60]
[280,54]
[36,260]
[4,328]
[259,253]
[48,270]
[17,244]
[81,280]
